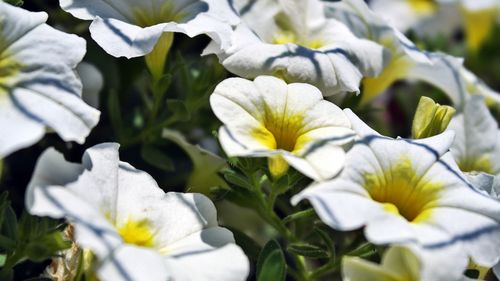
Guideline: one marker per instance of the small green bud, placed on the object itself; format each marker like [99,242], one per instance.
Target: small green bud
[430,118]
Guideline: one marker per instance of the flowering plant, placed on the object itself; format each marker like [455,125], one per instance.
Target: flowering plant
[262,140]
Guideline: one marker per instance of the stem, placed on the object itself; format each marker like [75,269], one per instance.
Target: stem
[365,250]
[156,59]
[266,211]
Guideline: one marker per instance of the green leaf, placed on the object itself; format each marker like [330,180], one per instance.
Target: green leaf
[3,258]
[115,114]
[46,246]
[156,157]
[236,179]
[271,265]
[6,274]
[15,2]
[9,225]
[178,110]
[249,246]
[308,250]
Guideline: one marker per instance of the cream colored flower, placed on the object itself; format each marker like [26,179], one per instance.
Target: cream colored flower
[295,41]
[39,89]
[288,123]
[134,229]
[411,193]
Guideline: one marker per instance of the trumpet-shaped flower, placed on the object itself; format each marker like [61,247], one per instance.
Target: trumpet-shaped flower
[39,92]
[411,14]
[411,193]
[134,229]
[477,143]
[133,28]
[288,123]
[295,41]
[405,61]
[398,264]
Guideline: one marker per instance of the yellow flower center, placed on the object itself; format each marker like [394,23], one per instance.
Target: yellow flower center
[9,68]
[281,131]
[403,192]
[137,233]
[163,14]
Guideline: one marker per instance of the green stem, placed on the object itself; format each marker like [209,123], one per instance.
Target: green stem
[266,210]
[158,56]
[364,250]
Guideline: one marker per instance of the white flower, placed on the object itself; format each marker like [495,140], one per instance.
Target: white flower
[411,193]
[134,229]
[398,264]
[131,28]
[412,14]
[405,60]
[39,89]
[293,40]
[290,124]
[477,143]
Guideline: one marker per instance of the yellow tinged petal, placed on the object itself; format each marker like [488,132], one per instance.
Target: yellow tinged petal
[401,191]
[374,86]
[277,166]
[423,7]
[478,26]
[431,118]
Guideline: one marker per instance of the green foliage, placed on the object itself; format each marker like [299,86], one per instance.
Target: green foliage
[271,265]
[29,238]
[15,2]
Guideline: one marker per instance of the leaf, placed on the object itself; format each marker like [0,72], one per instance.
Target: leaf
[46,246]
[178,110]
[271,265]
[249,246]
[114,109]
[156,157]
[205,164]
[307,250]
[9,225]
[6,274]
[3,258]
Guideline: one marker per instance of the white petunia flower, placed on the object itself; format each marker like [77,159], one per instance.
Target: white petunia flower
[405,61]
[131,28]
[410,14]
[39,89]
[477,143]
[134,229]
[411,193]
[398,264]
[289,124]
[295,41]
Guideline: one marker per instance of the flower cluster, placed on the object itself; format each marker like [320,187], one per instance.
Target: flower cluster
[283,107]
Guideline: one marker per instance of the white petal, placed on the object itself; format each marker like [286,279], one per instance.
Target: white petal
[119,38]
[130,263]
[45,88]
[228,263]
[477,135]
[23,130]
[177,216]
[321,162]
[341,205]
